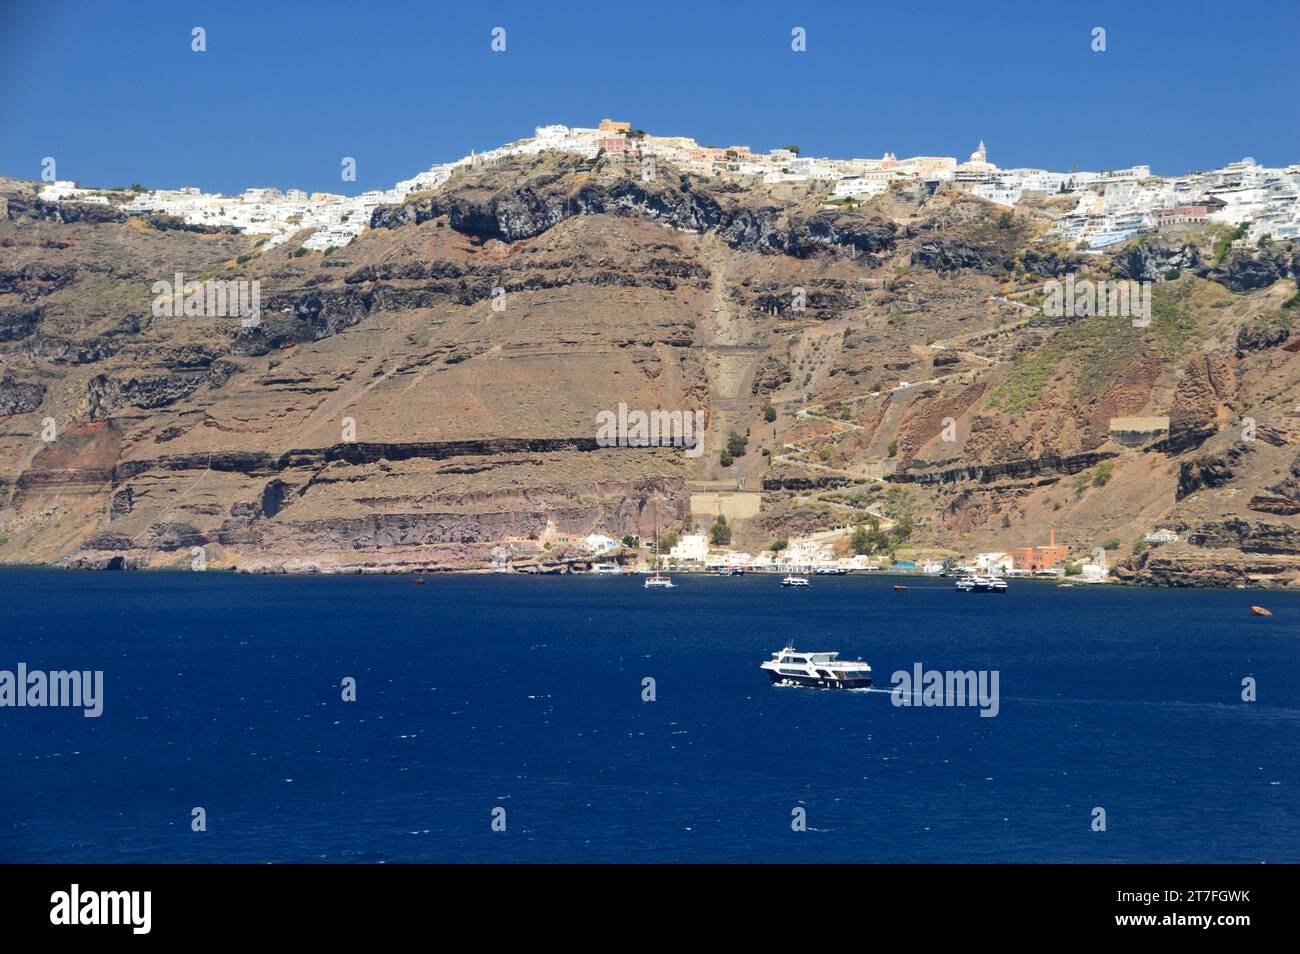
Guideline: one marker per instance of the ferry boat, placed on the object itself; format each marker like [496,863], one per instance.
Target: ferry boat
[817,670]
[981,584]
[795,581]
[658,581]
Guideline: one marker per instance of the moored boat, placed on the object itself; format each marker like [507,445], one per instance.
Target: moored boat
[795,581]
[658,581]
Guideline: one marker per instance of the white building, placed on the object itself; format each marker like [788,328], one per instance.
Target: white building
[691,548]
[599,543]
[1161,536]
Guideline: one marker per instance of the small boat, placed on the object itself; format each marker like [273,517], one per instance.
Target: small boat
[418,579]
[1064,586]
[1259,611]
[817,670]
[830,571]
[795,581]
[965,584]
[736,570]
[899,588]
[658,581]
[606,569]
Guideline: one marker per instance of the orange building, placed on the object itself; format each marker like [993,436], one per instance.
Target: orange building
[1039,558]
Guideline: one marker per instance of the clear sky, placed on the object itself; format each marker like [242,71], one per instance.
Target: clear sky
[113,91]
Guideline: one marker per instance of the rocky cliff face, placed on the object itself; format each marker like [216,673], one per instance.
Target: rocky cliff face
[510,207]
[428,397]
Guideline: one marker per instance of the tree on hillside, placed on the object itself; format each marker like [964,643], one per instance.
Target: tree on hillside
[720,533]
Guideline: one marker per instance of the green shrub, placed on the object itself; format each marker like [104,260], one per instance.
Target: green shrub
[720,533]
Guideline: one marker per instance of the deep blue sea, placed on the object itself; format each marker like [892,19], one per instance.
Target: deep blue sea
[478,692]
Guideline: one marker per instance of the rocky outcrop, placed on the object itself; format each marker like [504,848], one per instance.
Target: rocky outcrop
[1249,536]
[1278,506]
[1052,263]
[517,211]
[1244,270]
[1047,464]
[1260,335]
[1205,393]
[1210,470]
[19,397]
[18,321]
[771,376]
[1152,261]
[104,395]
[68,212]
[947,255]
[1186,567]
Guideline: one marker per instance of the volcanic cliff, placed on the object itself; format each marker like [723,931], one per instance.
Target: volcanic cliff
[427,397]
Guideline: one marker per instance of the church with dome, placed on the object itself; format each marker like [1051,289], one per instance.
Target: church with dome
[978,161]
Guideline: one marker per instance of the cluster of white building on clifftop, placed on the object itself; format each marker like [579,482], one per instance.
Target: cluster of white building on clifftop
[1092,209]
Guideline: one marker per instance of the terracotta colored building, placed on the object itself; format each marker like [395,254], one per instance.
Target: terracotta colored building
[1039,558]
[620,147]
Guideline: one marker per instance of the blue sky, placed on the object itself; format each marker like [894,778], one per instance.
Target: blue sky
[114,93]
